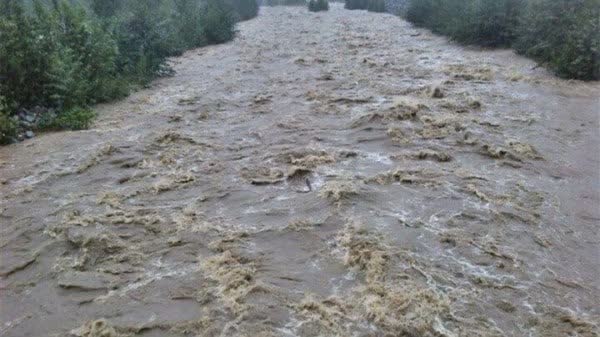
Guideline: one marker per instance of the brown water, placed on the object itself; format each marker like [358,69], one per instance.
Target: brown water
[308,179]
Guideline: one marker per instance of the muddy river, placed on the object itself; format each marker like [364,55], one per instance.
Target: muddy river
[333,174]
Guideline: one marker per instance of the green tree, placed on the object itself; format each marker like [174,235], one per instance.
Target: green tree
[57,54]
[563,35]
[106,8]
[190,26]
[376,6]
[356,4]
[219,21]
[8,127]
[245,9]
[318,5]
[26,57]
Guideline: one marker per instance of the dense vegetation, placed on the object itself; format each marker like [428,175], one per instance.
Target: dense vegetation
[563,35]
[245,9]
[318,5]
[57,58]
[376,6]
[370,5]
[356,4]
[284,2]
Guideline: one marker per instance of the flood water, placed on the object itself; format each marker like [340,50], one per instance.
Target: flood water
[333,174]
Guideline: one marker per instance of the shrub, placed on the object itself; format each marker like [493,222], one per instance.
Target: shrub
[77,118]
[8,126]
[376,6]
[62,56]
[219,21]
[356,4]
[285,2]
[56,58]
[146,37]
[487,23]
[483,22]
[318,5]
[245,9]
[561,34]
[106,8]
[85,64]
[189,29]
[419,12]
[25,58]
[564,35]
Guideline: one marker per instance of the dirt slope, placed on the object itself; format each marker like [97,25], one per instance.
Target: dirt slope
[334,174]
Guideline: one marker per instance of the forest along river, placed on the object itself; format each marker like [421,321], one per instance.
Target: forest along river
[332,174]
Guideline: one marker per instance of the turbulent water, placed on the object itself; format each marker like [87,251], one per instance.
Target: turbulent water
[334,174]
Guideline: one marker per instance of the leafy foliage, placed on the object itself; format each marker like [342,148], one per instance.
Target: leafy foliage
[8,127]
[65,56]
[564,35]
[420,12]
[24,54]
[76,118]
[189,30]
[285,2]
[219,21]
[376,6]
[356,4]
[106,8]
[561,34]
[55,58]
[484,22]
[245,9]
[146,37]
[318,5]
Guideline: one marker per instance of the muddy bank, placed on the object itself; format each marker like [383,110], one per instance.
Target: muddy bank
[319,176]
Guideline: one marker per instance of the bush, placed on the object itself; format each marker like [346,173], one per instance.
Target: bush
[85,68]
[26,53]
[561,34]
[245,9]
[488,23]
[189,30]
[147,36]
[356,4]
[376,6]
[318,5]
[62,56]
[73,119]
[8,126]
[106,8]
[285,2]
[483,22]
[218,21]
[419,12]
[564,35]
[55,58]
